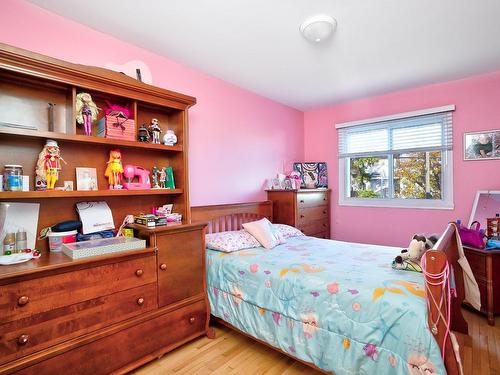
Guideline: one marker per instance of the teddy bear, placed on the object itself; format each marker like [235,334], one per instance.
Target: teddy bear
[409,259]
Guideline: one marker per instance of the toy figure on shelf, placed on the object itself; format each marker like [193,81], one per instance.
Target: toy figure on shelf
[154,172]
[155,131]
[114,169]
[170,138]
[48,166]
[86,112]
[143,134]
[162,178]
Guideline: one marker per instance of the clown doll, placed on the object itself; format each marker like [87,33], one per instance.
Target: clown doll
[114,169]
[48,166]
[86,112]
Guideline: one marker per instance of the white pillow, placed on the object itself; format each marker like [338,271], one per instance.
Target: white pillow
[264,232]
[287,231]
[231,241]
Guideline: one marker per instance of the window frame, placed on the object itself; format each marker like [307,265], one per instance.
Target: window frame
[445,203]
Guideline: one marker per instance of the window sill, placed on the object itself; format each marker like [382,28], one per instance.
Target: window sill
[397,203]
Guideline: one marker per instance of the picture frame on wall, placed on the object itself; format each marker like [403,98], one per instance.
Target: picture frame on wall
[482,145]
[312,175]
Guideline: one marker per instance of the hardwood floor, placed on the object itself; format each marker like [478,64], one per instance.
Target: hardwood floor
[232,353]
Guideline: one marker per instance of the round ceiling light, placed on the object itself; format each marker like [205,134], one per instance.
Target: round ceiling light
[318,28]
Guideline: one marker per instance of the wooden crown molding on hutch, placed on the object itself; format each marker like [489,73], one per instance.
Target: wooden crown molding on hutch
[30,63]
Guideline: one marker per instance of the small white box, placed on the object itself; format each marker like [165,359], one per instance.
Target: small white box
[26,183]
[84,249]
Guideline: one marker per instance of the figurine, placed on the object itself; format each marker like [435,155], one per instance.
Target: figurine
[154,172]
[48,166]
[155,131]
[163,178]
[143,134]
[114,169]
[86,112]
[170,138]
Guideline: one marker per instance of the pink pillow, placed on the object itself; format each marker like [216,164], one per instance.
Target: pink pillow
[265,233]
[231,241]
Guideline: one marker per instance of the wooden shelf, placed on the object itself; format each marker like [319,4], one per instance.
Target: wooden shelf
[84,194]
[76,138]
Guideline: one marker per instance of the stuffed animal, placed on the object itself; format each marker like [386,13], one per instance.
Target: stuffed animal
[409,259]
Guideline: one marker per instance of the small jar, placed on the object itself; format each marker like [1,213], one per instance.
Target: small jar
[13,177]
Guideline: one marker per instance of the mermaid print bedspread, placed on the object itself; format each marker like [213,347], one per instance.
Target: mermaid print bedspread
[336,304]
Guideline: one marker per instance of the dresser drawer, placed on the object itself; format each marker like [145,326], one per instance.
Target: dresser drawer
[312,227]
[113,352]
[306,215]
[312,199]
[477,263]
[40,331]
[26,298]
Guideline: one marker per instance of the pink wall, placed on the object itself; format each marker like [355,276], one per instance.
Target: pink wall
[477,108]
[237,138]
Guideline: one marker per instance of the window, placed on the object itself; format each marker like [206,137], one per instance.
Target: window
[398,161]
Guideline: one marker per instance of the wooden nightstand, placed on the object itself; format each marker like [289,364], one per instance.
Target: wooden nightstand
[482,263]
[307,210]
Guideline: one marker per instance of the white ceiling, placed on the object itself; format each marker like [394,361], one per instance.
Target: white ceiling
[379,45]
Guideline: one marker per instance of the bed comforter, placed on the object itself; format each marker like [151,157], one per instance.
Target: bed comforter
[338,305]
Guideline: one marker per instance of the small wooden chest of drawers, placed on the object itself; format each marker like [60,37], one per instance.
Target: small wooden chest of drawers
[483,263]
[307,210]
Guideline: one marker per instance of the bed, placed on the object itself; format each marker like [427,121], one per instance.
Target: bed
[336,306]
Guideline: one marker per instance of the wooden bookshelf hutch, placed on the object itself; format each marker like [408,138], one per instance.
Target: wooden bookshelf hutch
[101,314]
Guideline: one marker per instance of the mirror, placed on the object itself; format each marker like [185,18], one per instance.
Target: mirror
[486,206]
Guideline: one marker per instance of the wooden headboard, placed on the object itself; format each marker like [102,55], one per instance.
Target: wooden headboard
[226,217]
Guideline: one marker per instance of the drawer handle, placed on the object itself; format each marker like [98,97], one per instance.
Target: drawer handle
[324,211]
[301,201]
[140,301]
[163,266]
[23,339]
[324,199]
[192,320]
[23,300]
[139,272]
[302,216]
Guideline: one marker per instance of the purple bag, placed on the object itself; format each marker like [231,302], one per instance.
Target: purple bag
[472,236]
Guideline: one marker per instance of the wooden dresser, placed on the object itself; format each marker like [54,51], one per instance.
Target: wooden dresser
[307,210]
[103,314]
[483,263]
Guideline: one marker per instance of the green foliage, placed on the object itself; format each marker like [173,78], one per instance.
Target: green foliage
[410,175]
[360,176]
[367,194]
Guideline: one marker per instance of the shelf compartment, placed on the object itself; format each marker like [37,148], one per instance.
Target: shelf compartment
[72,138]
[6,195]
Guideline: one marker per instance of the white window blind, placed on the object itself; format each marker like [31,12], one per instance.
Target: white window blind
[432,132]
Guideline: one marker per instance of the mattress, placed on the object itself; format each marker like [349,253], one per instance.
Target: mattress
[335,304]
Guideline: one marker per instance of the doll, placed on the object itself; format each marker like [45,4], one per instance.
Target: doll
[86,112]
[155,131]
[114,169]
[48,166]
[163,178]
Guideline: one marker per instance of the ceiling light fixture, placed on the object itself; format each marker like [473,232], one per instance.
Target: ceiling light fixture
[318,28]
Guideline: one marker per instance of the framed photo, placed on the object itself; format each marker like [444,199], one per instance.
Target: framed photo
[312,175]
[484,145]
[68,185]
[86,179]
